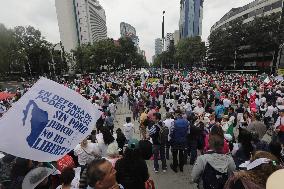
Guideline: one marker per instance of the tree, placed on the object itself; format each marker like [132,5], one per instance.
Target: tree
[260,36]
[190,51]
[107,55]
[6,42]
[128,51]
[35,49]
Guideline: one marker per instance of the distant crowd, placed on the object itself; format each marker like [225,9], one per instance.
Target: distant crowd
[228,128]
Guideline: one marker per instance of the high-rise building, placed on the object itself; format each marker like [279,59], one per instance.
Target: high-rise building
[153,58]
[80,22]
[126,30]
[176,37]
[169,40]
[191,15]
[248,12]
[158,46]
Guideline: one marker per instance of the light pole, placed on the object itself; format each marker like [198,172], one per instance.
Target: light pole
[235,59]
[163,38]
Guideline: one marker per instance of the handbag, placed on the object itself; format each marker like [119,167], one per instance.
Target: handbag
[91,156]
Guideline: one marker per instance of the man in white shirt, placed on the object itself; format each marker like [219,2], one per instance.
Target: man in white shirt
[199,110]
[280,120]
[226,102]
[279,127]
[169,123]
[270,111]
[112,109]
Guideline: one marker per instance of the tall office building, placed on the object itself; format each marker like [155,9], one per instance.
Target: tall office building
[169,40]
[158,46]
[191,15]
[80,22]
[176,37]
[126,30]
[257,8]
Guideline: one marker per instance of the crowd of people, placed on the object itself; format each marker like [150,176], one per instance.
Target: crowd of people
[228,127]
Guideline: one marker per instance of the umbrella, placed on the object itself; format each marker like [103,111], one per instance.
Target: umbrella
[5,95]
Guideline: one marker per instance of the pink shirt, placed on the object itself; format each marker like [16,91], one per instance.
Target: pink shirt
[225,148]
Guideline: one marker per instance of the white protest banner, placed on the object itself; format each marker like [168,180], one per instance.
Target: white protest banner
[47,122]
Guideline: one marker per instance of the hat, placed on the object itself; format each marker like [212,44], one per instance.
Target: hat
[36,176]
[274,181]
[226,116]
[133,144]
[282,110]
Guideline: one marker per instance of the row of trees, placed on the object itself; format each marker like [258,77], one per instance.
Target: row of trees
[188,52]
[25,52]
[108,55]
[260,38]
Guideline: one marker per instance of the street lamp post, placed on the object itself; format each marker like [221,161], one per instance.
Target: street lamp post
[163,38]
[235,59]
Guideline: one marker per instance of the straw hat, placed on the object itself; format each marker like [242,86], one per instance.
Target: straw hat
[275,180]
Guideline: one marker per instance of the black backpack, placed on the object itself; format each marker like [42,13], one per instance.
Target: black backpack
[213,179]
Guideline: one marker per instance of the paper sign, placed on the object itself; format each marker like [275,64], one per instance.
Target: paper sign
[47,122]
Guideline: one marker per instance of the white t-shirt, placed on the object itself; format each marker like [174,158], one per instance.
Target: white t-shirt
[112,108]
[226,103]
[169,123]
[85,154]
[188,107]
[128,130]
[198,110]
[270,111]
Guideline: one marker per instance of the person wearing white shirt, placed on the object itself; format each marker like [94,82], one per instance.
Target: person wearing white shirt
[169,123]
[270,111]
[86,151]
[188,108]
[279,127]
[112,109]
[128,129]
[226,103]
[199,110]
[70,178]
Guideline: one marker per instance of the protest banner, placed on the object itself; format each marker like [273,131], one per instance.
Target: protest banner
[47,122]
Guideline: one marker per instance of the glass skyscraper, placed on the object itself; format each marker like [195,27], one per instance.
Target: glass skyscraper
[191,15]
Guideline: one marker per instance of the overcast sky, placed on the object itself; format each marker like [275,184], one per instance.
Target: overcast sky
[144,15]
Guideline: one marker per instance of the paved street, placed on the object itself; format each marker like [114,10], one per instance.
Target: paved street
[168,180]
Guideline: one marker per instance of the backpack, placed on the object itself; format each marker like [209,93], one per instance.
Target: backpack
[213,179]
[179,133]
[163,134]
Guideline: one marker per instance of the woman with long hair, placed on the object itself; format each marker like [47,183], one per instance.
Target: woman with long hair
[19,171]
[132,170]
[260,167]
[244,149]
[105,138]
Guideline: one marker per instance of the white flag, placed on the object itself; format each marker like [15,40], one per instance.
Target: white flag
[47,122]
